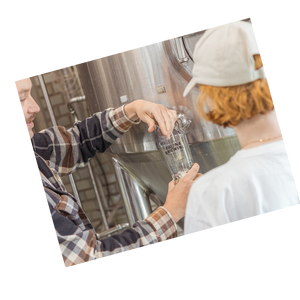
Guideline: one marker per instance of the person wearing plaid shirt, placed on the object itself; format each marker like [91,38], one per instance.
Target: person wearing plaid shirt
[60,152]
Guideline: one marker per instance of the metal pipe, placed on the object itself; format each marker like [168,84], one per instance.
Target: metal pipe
[71,109]
[102,212]
[75,100]
[101,191]
[98,198]
[74,188]
[134,194]
[113,213]
[78,79]
[112,230]
[45,93]
[182,57]
[155,199]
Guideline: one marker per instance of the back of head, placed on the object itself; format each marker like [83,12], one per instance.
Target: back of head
[232,104]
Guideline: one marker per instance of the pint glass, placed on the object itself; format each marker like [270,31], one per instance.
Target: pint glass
[177,155]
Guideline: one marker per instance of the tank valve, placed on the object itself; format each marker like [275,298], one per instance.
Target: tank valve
[182,123]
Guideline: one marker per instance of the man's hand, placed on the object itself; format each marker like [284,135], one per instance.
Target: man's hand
[148,112]
[178,194]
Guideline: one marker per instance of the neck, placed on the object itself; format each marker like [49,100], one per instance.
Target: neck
[259,127]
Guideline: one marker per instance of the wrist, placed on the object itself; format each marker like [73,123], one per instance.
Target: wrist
[130,111]
[173,212]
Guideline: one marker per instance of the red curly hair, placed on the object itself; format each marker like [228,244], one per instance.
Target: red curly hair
[236,103]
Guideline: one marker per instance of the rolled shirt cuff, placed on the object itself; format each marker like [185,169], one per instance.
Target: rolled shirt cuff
[138,121]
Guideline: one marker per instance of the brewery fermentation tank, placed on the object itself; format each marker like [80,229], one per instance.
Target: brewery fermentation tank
[157,73]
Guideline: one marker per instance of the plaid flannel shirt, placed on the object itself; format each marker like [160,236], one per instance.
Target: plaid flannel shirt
[60,152]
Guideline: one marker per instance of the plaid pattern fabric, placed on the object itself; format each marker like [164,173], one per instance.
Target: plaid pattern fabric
[60,152]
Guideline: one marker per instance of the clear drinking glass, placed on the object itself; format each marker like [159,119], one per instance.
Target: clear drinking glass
[177,155]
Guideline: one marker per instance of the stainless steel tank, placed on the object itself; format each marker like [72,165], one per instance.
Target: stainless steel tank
[157,73]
